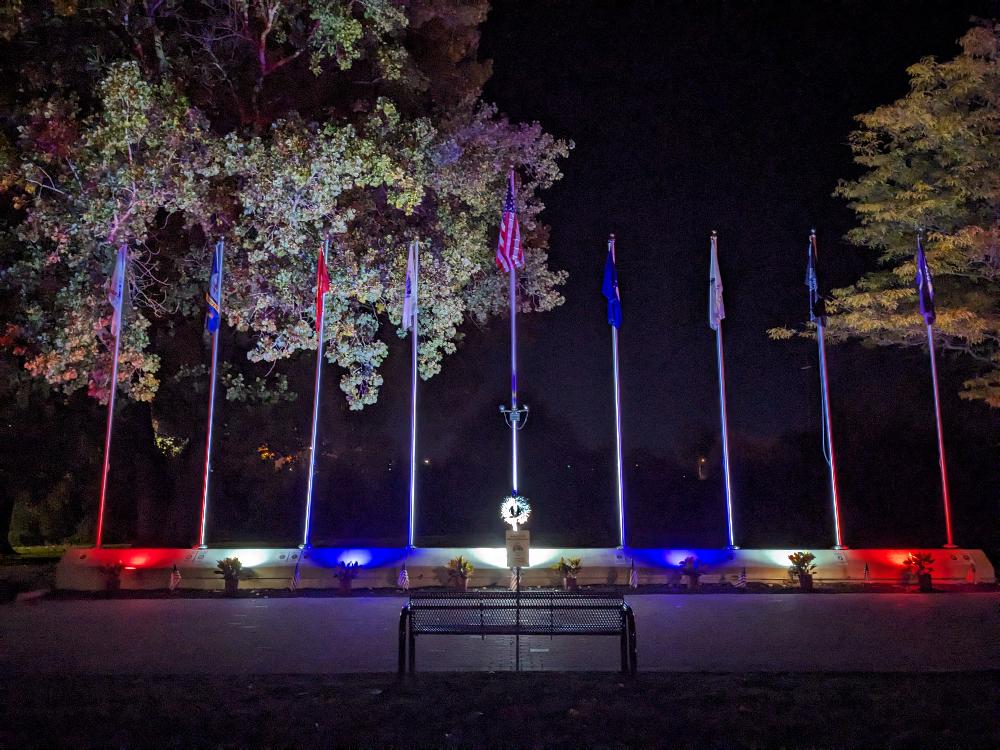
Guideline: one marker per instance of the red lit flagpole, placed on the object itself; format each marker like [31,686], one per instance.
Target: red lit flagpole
[716,312]
[214,299]
[925,290]
[410,317]
[117,294]
[510,257]
[812,282]
[322,287]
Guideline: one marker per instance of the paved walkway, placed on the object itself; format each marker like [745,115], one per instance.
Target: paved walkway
[754,632]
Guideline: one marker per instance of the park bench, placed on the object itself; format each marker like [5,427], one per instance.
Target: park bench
[541,613]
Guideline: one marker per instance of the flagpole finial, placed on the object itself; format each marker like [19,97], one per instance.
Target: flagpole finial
[714,233]
[611,236]
[812,232]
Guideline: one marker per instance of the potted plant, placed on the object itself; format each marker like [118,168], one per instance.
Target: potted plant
[346,573]
[689,568]
[459,572]
[569,569]
[919,563]
[230,570]
[112,576]
[802,568]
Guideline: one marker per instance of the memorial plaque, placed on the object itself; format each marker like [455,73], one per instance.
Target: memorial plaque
[518,546]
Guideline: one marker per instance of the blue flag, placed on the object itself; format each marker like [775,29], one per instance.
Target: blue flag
[610,287]
[924,284]
[214,295]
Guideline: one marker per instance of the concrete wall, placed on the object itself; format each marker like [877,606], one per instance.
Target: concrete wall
[274,568]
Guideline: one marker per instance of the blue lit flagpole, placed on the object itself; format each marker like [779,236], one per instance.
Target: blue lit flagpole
[116,296]
[410,322]
[610,291]
[819,318]
[510,257]
[716,312]
[925,290]
[322,287]
[213,321]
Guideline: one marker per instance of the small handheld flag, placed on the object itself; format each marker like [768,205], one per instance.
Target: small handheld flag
[510,253]
[116,290]
[410,296]
[403,579]
[322,286]
[214,294]
[716,309]
[925,284]
[610,287]
[175,579]
[633,577]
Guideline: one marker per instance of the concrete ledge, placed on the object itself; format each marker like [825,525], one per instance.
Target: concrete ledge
[274,568]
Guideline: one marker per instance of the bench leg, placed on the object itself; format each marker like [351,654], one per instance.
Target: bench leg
[633,646]
[412,655]
[623,642]
[401,665]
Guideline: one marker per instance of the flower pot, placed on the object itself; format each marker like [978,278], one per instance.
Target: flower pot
[806,581]
[232,586]
[345,586]
[692,582]
[462,583]
[569,583]
[924,583]
[113,584]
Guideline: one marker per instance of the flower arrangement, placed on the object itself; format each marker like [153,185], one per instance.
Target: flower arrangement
[570,569]
[802,568]
[459,571]
[515,510]
[919,564]
[230,569]
[689,567]
[345,573]
[112,576]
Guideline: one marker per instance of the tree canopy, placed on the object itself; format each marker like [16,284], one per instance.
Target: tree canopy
[273,125]
[930,161]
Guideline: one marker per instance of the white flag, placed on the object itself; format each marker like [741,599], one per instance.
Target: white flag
[116,289]
[410,296]
[716,310]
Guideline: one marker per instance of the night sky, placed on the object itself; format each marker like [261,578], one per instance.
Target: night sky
[687,117]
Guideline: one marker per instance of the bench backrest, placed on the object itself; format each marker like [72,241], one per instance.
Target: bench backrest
[504,612]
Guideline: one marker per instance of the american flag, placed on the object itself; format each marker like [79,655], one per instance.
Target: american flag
[322,286]
[924,284]
[510,253]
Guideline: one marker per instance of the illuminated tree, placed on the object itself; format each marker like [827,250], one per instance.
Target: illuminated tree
[931,161]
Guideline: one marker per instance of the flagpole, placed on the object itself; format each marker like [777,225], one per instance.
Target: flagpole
[828,432]
[618,439]
[123,250]
[203,526]
[413,404]
[940,438]
[315,415]
[725,423]
[513,377]
[824,392]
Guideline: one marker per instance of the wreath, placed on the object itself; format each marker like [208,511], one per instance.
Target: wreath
[515,510]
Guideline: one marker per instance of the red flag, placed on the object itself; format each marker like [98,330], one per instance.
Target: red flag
[509,251]
[322,286]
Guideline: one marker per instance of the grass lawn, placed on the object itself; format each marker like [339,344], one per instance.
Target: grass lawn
[679,710]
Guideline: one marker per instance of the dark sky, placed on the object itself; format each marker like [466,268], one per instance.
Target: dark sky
[688,117]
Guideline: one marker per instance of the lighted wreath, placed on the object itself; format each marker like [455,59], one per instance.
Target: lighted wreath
[515,511]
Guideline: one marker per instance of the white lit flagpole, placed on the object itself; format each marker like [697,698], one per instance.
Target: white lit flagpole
[716,312]
[322,287]
[610,290]
[116,296]
[510,257]
[213,321]
[410,302]
[925,290]
[819,318]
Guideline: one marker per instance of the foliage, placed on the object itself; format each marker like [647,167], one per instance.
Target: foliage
[570,567]
[229,568]
[347,571]
[919,563]
[459,567]
[689,567]
[930,161]
[273,124]
[802,564]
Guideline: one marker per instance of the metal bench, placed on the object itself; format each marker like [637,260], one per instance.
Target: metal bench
[541,613]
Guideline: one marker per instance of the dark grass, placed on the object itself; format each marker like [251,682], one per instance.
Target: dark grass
[679,710]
